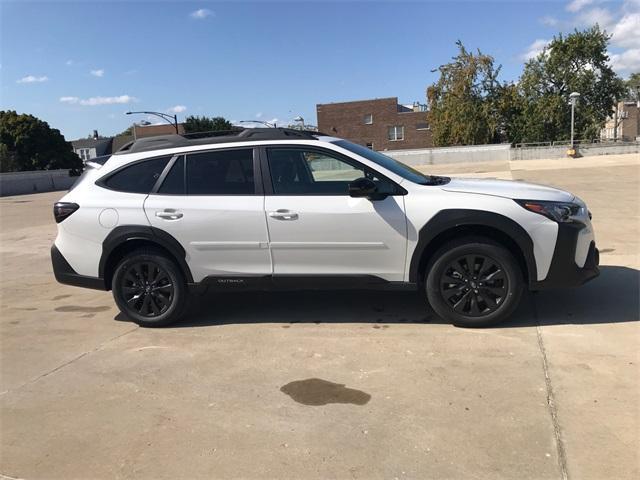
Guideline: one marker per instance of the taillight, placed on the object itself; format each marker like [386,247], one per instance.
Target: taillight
[62,210]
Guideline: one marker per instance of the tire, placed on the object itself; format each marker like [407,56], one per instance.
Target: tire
[479,297]
[149,288]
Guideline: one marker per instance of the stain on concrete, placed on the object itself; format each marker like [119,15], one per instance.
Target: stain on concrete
[88,315]
[317,392]
[79,308]
[607,250]
[60,297]
[27,309]
[286,326]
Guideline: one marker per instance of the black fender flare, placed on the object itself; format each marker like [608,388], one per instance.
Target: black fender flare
[125,233]
[449,219]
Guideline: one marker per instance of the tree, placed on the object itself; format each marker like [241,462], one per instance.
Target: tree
[577,62]
[125,133]
[28,143]
[197,124]
[468,104]
[632,86]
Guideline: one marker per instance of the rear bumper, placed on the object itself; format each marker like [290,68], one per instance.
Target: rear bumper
[564,272]
[64,273]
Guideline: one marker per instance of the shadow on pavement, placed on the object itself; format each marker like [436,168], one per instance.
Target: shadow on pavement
[613,297]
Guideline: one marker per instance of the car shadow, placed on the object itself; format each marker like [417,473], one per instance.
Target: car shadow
[613,297]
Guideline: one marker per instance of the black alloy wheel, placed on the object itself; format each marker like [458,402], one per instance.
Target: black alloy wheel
[147,289]
[474,282]
[474,285]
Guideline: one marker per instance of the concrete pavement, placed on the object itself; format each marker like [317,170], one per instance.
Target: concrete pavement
[326,385]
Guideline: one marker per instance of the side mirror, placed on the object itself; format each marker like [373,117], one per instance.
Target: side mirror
[363,187]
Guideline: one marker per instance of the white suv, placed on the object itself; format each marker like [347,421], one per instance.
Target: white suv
[279,208]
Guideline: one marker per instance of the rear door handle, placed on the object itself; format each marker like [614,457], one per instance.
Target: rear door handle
[283,214]
[169,214]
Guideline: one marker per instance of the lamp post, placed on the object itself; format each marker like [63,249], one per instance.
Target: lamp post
[573,99]
[172,119]
[270,125]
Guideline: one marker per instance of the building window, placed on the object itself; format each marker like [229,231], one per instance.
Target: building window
[84,154]
[370,146]
[422,126]
[395,133]
[368,119]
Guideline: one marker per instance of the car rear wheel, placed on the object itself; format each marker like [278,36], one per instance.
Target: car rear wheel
[474,282]
[149,288]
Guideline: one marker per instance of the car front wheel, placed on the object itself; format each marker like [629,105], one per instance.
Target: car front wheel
[474,282]
[149,288]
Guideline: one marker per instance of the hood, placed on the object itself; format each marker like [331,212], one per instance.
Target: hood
[507,189]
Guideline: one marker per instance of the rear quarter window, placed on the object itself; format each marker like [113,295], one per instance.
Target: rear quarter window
[137,178]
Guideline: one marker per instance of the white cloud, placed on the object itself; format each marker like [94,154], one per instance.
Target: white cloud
[534,49]
[601,16]
[626,32]
[68,63]
[627,61]
[201,13]
[93,101]
[177,109]
[577,5]
[549,21]
[33,79]
[273,120]
[97,73]
[259,115]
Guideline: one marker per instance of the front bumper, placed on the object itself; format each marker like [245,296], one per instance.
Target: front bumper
[65,273]
[564,272]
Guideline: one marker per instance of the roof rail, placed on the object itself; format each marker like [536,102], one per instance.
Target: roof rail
[209,138]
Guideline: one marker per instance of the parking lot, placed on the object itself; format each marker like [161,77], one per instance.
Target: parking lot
[327,385]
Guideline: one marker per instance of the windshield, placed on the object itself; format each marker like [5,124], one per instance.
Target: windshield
[389,163]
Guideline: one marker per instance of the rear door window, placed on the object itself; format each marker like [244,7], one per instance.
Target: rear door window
[173,183]
[225,172]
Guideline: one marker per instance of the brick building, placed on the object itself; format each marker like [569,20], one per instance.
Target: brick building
[380,124]
[627,118]
[142,131]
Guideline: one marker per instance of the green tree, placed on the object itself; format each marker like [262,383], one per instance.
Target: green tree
[468,105]
[196,124]
[28,143]
[632,85]
[577,62]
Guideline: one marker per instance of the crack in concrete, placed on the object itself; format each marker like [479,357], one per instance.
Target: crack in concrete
[551,403]
[73,360]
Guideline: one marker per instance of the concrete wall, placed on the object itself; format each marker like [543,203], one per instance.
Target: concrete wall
[435,156]
[560,151]
[18,183]
[504,152]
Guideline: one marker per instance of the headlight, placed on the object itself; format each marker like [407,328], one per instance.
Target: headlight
[560,212]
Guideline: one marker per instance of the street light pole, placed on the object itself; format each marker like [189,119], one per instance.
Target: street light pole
[573,98]
[172,119]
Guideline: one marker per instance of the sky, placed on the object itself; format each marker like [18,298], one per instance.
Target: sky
[81,65]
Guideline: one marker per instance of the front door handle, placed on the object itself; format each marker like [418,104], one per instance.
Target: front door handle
[283,214]
[169,214]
